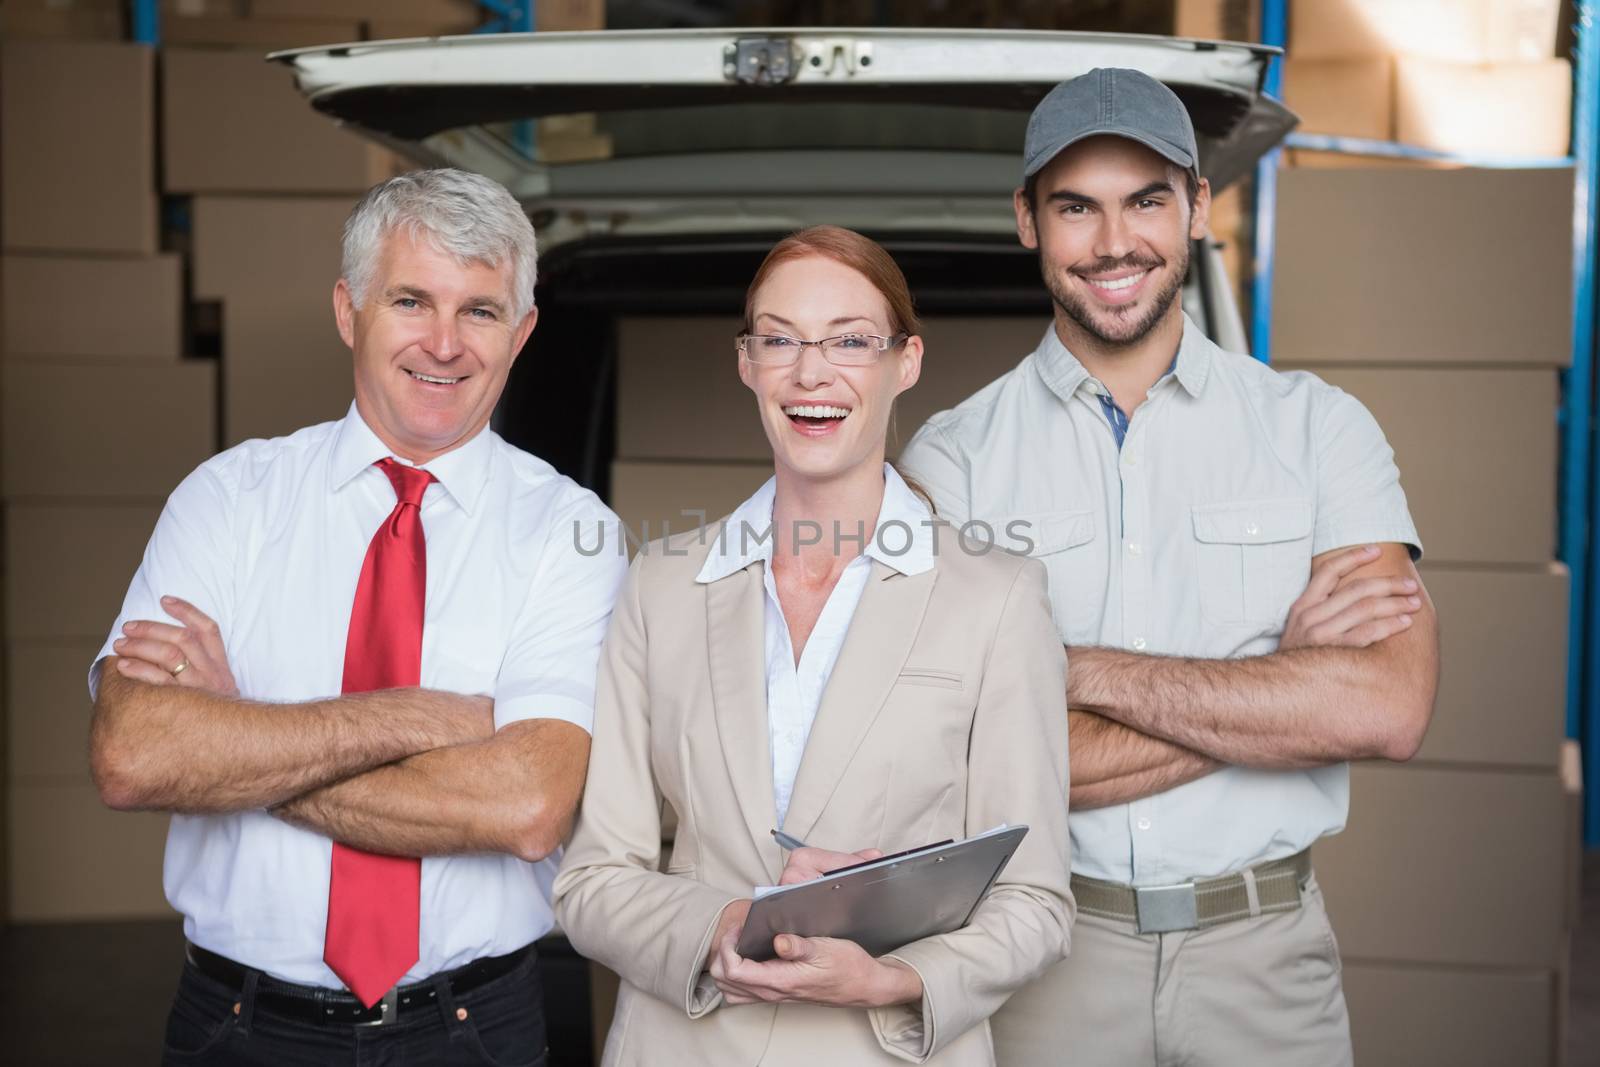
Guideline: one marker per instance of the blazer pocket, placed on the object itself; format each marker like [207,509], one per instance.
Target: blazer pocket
[932,676]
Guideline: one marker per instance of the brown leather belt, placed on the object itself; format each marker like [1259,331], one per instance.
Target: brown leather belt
[1270,887]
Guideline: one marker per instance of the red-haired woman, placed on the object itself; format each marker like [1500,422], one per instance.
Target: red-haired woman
[834,661]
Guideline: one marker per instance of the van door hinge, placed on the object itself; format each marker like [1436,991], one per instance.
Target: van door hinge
[760,61]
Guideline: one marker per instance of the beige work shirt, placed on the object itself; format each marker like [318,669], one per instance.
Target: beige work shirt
[1191,539]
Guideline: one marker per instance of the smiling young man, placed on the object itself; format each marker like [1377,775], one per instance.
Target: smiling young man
[1230,560]
[357,664]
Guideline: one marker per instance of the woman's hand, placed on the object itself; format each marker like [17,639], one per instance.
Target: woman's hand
[815,970]
[730,924]
[806,864]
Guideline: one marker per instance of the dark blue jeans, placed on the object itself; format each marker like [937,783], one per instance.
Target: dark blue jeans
[504,1027]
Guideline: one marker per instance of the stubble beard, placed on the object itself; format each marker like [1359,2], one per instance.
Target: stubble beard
[1125,330]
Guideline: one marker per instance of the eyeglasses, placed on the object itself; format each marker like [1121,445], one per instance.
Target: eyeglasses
[845,350]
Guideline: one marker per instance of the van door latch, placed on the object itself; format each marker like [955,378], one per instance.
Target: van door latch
[760,61]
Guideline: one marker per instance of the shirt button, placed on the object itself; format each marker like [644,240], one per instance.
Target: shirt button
[1252,529]
[1138,642]
[1134,550]
[1144,824]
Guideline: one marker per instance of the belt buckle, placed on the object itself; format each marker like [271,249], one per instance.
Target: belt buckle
[1164,909]
[388,1008]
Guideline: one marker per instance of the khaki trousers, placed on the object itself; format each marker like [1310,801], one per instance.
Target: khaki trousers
[1257,991]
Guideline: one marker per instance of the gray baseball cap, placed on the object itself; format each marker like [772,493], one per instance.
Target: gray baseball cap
[1115,101]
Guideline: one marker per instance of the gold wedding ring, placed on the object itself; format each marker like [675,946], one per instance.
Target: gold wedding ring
[180,668]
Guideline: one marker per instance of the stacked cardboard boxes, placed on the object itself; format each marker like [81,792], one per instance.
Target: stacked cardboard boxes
[1450,888]
[261,25]
[101,418]
[1476,77]
[271,182]
[1210,19]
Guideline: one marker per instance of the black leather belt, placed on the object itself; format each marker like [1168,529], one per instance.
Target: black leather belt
[331,1007]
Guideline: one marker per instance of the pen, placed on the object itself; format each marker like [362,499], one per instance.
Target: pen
[789,842]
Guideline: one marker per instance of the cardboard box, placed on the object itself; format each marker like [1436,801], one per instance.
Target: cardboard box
[1309,158]
[77,162]
[1216,20]
[71,858]
[1572,833]
[423,10]
[289,249]
[1503,650]
[1449,866]
[48,704]
[258,35]
[1423,266]
[1408,1016]
[1507,109]
[273,264]
[651,498]
[100,308]
[19,21]
[232,123]
[405,29]
[206,8]
[569,15]
[281,370]
[68,566]
[1477,455]
[108,431]
[670,365]
[1461,31]
[1345,97]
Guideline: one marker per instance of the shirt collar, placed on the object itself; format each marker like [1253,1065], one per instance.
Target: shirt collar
[902,541]
[462,472]
[1065,375]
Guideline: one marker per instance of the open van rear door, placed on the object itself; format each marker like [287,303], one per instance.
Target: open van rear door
[931,118]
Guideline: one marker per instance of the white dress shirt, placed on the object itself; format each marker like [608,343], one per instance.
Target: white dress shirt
[1192,539]
[268,539]
[901,539]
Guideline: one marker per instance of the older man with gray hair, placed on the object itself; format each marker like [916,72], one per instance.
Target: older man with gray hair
[357,664]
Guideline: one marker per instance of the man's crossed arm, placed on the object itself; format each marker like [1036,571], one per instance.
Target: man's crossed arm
[403,771]
[1354,677]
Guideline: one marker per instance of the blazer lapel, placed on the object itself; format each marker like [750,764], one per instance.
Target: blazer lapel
[875,648]
[736,628]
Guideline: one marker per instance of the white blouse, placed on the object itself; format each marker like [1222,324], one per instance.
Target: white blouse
[902,539]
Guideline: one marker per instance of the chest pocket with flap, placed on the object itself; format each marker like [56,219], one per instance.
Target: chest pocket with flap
[1064,542]
[1253,558]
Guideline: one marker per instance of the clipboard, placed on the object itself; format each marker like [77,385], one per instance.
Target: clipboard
[885,903]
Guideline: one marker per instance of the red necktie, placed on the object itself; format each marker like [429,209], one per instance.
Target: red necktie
[374,901]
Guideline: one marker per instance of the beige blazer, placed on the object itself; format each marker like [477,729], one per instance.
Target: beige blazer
[944,716]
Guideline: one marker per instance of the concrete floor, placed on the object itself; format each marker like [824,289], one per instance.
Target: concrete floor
[93,995]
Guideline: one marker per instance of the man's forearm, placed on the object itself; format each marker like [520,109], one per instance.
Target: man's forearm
[514,793]
[1298,708]
[1115,764]
[174,748]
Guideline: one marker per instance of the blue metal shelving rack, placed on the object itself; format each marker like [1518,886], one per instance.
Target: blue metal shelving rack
[1578,503]
[1580,452]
